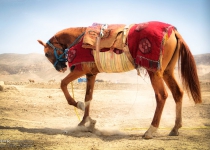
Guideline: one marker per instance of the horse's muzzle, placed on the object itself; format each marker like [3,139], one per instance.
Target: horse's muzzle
[61,66]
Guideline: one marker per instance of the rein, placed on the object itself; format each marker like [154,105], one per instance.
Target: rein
[59,58]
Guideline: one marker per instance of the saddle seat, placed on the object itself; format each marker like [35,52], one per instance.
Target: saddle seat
[111,36]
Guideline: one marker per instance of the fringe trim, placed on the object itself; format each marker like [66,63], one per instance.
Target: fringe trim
[111,62]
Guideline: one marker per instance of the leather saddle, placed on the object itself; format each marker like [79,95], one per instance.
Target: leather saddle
[111,36]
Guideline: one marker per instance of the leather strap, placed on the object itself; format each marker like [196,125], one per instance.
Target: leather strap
[98,40]
[125,47]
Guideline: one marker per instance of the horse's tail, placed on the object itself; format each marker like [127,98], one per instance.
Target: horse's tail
[189,74]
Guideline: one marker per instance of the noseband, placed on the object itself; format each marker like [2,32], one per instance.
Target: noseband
[60,58]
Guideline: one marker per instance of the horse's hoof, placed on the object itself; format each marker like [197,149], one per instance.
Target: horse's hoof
[149,132]
[91,126]
[173,133]
[91,129]
[92,121]
[82,123]
[146,136]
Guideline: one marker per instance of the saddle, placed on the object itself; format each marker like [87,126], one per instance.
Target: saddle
[110,36]
[109,46]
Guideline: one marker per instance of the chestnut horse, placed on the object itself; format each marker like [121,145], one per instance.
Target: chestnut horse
[175,48]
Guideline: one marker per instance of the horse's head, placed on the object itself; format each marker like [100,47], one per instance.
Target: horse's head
[56,54]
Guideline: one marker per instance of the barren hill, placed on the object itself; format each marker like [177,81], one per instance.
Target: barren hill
[21,67]
[202,59]
[26,66]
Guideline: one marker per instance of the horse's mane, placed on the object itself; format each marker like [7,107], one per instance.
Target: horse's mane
[71,30]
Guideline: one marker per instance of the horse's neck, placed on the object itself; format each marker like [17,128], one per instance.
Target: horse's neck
[68,36]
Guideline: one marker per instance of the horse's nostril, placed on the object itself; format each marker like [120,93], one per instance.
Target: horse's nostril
[47,55]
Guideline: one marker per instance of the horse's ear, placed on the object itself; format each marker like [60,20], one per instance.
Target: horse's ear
[42,43]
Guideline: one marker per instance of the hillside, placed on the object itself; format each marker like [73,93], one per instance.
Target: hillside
[27,66]
[202,59]
[21,67]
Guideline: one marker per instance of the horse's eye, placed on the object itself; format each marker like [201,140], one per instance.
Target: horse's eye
[46,54]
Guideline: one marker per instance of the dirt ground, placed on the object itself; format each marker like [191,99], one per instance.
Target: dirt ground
[37,116]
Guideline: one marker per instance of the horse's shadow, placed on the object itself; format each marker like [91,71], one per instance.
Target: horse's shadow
[78,132]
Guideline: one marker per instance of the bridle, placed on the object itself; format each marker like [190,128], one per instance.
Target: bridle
[59,58]
[63,56]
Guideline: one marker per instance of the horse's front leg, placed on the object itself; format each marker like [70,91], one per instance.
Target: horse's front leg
[70,77]
[88,98]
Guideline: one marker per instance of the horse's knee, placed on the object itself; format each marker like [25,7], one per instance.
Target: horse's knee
[165,95]
[161,96]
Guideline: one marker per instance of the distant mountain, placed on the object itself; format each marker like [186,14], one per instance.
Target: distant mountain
[202,59]
[22,63]
[21,67]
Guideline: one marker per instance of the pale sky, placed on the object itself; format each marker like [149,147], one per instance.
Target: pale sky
[22,22]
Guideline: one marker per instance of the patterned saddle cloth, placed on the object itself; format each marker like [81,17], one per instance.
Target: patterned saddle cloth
[146,42]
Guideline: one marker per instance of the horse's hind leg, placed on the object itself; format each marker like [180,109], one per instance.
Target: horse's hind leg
[177,92]
[158,85]
[160,95]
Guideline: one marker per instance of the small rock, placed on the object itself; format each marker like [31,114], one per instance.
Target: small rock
[1,85]
[1,88]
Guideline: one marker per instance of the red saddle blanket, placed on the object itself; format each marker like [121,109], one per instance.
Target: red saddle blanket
[146,41]
[78,55]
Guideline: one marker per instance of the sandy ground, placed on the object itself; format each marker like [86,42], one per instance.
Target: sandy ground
[37,116]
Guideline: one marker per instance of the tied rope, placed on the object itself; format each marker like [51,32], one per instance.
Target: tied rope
[75,109]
